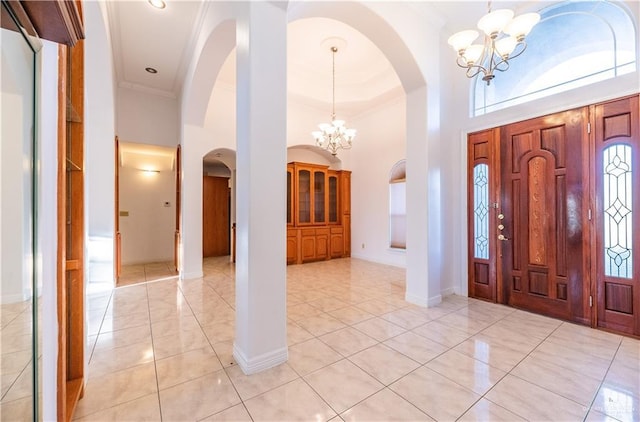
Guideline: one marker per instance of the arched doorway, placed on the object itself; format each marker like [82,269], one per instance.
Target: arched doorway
[218,203]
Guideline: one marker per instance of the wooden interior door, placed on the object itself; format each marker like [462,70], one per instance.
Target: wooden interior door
[483,175]
[215,216]
[617,216]
[117,262]
[176,237]
[543,208]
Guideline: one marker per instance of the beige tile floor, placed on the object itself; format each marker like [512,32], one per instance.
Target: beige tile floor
[357,352]
[152,271]
[16,361]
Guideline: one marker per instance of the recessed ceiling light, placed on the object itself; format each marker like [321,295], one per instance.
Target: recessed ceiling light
[158,4]
[151,70]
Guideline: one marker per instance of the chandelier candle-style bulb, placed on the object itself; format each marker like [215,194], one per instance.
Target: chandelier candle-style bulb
[503,40]
[335,135]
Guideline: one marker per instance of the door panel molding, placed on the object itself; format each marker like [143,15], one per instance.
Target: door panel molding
[549,189]
[544,178]
[482,181]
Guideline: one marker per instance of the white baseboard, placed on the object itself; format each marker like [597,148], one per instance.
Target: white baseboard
[191,276]
[420,301]
[416,300]
[449,291]
[260,363]
[17,298]
[435,300]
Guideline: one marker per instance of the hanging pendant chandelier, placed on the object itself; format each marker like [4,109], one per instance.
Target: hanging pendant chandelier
[335,135]
[503,41]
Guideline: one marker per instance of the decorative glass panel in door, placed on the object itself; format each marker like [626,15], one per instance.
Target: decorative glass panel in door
[618,211]
[617,149]
[481,210]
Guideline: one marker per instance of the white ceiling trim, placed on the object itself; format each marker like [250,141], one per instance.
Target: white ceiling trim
[116,43]
[187,52]
[148,89]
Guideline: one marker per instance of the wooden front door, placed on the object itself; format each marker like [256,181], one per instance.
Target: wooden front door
[215,216]
[483,175]
[543,211]
[617,216]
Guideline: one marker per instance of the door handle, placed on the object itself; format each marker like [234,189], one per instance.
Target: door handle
[502,237]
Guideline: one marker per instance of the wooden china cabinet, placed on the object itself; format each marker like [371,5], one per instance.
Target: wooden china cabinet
[318,213]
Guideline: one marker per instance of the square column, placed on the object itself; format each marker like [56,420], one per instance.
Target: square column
[424,245]
[261,318]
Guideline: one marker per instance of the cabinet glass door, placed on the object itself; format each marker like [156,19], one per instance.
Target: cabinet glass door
[289,197]
[333,199]
[319,199]
[304,196]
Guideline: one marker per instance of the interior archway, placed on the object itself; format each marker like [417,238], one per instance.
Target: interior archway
[381,26]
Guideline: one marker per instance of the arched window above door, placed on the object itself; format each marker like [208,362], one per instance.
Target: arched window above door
[576,43]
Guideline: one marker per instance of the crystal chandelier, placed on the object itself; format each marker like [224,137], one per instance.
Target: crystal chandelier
[335,135]
[503,40]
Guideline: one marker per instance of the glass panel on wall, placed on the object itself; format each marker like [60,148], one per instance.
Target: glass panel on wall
[576,43]
[304,196]
[481,211]
[617,209]
[18,294]
[318,192]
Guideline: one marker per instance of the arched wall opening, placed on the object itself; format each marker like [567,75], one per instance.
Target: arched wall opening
[218,199]
[387,28]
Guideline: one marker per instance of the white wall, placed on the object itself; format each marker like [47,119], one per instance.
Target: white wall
[15,152]
[454,134]
[48,225]
[379,145]
[147,118]
[99,146]
[147,233]
[438,157]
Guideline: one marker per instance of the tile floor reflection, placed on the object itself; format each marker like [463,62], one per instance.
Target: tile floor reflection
[152,271]
[357,352]
[16,361]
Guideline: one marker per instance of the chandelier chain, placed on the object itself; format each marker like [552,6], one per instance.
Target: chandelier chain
[335,135]
[333,74]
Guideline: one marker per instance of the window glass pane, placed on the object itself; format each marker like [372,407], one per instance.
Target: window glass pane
[398,215]
[617,206]
[481,211]
[573,45]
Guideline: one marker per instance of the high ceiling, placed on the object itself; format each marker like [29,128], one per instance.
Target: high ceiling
[144,36]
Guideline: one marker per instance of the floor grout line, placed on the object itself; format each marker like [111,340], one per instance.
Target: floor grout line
[219,284]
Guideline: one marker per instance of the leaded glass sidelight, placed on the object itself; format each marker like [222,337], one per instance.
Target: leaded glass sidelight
[481,210]
[617,211]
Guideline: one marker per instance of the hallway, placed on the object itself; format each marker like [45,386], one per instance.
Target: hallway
[140,273]
[357,351]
